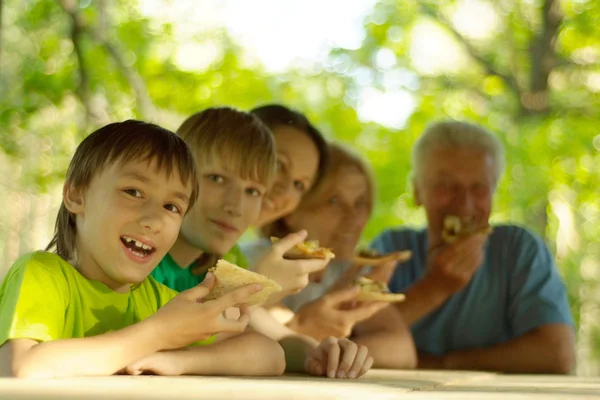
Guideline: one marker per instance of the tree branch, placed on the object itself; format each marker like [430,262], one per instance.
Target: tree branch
[136,82]
[146,108]
[543,57]
[83,90]
[543,54]
[490,68]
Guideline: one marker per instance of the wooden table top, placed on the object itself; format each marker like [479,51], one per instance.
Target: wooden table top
[377,384]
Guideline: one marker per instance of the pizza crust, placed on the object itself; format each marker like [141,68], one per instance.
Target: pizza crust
[308,250]
[376,260]
[371,290]
[375,296]
[229,277]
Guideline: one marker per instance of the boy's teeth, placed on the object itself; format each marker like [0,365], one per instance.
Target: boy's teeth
[137,243]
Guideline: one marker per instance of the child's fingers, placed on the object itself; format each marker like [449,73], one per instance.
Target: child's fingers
[349,352]
[340,296]
[332,348]
[244,320]
[318,368]
[133,369]
[288,242]
[365,310]
[236,296]
[366,366]
[239,326]
[314,367]
[359,361]
[244,310]
[198,292]
[245,315]
[308,266]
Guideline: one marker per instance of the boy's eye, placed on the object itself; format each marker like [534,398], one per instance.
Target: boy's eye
[362,202]
[280,166]
[334,201]
[173,208]
[299,186]
[133,192]
[216,178]
[254,192]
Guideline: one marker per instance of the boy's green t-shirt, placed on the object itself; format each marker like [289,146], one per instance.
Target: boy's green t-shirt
[169,273]
[45,298]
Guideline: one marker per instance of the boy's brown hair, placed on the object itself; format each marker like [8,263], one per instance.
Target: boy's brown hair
[235,139]
[120,142]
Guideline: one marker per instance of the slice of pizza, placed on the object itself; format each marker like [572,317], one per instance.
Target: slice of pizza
[455,228]
[229,277]
[371,290]
[374,258]
[308,250]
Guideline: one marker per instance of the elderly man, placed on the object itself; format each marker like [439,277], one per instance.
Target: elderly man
[482,302]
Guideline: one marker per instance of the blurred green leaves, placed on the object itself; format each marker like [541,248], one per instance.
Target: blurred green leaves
[552,180]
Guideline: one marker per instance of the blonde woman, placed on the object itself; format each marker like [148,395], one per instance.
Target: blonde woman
[335,213]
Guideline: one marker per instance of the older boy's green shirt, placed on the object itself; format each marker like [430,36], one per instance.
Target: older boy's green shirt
[169,273]
[45,298]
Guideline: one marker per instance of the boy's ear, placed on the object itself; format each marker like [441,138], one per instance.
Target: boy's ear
[73,198]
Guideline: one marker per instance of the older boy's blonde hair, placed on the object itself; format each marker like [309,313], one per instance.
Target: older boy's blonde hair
[339,157]
[236,140]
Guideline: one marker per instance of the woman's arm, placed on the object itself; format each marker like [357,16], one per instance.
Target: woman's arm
[388,339]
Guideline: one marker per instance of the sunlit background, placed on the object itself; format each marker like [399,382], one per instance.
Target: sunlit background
[370,73]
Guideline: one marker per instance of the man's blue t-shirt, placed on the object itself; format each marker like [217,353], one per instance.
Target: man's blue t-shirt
[515,290]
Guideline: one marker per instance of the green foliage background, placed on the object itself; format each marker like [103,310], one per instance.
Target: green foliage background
[67,68]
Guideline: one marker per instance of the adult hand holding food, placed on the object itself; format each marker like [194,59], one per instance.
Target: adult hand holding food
[334,314]
[452,265]
[187,318]
[291,274]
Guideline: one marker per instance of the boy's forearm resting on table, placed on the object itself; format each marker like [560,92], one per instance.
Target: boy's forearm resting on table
[546,350]
[92,356]
[295,346]
[247,354]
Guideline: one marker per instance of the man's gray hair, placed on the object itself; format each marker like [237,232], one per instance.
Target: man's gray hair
[457,135]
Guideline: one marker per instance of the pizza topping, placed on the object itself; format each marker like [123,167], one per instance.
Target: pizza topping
[454,227]
[369,253]
[309,249]
[369,285]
